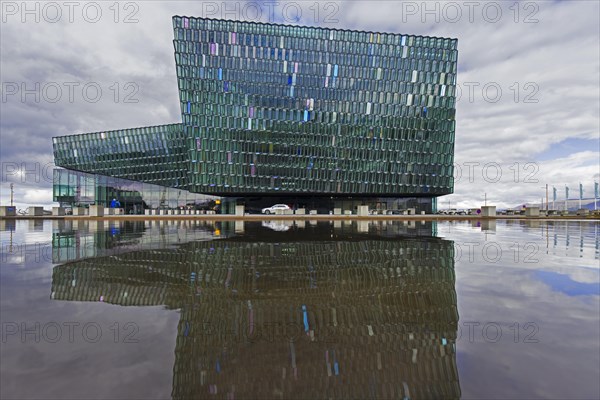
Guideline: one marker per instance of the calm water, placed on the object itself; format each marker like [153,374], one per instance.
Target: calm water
[300,310]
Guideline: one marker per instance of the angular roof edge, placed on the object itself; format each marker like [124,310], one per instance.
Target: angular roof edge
[116,130]
[314,27]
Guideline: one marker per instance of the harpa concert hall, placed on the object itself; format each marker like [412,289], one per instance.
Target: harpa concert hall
[313,118]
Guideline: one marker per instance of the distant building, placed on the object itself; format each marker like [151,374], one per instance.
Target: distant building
[310,117]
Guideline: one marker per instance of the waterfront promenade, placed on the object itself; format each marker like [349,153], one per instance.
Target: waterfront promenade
[307,217]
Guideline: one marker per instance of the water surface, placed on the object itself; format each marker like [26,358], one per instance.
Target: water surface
[305,309]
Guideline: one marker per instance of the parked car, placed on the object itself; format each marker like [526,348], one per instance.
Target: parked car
[279,226]
[272,209]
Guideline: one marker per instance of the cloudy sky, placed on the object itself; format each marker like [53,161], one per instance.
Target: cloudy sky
[529,76]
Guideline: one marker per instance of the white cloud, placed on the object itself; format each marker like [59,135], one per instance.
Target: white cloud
[37,196]
[548,72]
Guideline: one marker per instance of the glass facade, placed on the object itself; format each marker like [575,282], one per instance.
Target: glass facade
[80,189]
[291,111]
[153,154]
[272,108]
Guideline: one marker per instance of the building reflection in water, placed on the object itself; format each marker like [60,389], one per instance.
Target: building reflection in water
[328,310]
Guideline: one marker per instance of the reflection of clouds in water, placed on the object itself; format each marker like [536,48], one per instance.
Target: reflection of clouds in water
[19,232]
[564,247]
[94,370]
[11,258]
[564,284]
[564,364]
[583,275]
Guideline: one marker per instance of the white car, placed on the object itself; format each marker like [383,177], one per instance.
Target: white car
[272,209]
[279,226]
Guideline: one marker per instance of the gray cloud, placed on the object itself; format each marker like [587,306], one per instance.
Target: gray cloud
[547,70]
